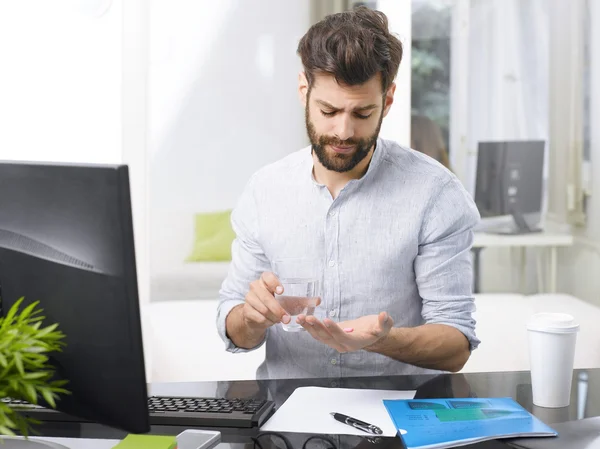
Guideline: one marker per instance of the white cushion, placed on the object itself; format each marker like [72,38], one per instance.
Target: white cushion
[185,345]
[502,328]
[193,280]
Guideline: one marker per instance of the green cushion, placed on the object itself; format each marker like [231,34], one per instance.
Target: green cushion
[213,237]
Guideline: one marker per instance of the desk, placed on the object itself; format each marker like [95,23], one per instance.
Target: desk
[540,240]
[584,403]
[80,443]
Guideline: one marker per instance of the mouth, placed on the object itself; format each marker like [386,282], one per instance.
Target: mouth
[343,150]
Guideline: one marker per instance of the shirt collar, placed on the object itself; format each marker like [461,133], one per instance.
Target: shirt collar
[375,162]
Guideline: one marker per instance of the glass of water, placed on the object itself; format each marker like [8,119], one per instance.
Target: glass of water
[300,278]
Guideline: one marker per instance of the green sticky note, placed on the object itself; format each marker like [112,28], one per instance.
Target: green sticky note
[472,414]
[467,414]
[133,441]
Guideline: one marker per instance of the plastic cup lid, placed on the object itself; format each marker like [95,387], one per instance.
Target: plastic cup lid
[553,322]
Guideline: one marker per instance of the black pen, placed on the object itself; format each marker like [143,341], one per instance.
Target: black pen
[357,423]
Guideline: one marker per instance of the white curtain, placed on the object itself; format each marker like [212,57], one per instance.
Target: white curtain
[567,193]
[508,73]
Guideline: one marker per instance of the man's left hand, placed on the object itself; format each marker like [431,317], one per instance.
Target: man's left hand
[348,336]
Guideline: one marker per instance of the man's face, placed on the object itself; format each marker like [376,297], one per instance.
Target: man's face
[343,122]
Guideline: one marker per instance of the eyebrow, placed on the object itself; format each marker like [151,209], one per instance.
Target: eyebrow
[361,108]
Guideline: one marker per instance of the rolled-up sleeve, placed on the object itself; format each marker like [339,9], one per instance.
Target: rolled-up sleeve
[248,262]
[443,266]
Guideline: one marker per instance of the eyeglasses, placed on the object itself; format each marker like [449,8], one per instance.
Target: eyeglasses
[271,440]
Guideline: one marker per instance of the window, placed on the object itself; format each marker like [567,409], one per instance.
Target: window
[430,82]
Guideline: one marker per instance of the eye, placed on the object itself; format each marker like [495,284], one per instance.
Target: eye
[328,114]
[363,117]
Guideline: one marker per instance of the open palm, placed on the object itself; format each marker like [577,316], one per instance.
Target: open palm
[348,336]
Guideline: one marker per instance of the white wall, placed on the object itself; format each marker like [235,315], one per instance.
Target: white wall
[223,102]
[134,123]
[60,82]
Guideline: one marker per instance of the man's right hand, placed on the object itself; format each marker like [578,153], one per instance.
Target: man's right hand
[261,310]
[247,323]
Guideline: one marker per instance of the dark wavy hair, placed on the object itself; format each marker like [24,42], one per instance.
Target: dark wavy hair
[353,46]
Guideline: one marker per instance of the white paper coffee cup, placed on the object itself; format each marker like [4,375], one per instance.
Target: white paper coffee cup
[552,338]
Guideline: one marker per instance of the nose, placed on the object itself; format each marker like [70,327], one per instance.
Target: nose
[344,128]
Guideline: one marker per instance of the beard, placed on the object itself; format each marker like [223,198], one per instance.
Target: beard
[335,161]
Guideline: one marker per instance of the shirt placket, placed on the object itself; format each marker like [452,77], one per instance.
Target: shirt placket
[332,278]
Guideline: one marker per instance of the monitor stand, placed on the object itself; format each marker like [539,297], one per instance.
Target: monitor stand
[521,226]
[21,443]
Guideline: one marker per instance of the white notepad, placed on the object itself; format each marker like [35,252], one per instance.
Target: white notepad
[307,410]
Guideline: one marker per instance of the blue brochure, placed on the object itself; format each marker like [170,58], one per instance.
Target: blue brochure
[444,423]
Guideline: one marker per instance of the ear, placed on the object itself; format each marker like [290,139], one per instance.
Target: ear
[302,88]
[389,99]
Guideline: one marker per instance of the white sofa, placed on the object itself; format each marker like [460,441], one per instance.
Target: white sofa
[182,342]
[197,281]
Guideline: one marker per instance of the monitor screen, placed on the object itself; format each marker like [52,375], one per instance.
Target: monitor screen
[510,177]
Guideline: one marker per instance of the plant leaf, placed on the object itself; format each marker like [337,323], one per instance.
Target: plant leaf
[48,396]
[7,421]
[6,431]
[30,393]
[27,312]
[35,349]
[36,375]
[13,384]
[10,316]
[47,330]
[19,363]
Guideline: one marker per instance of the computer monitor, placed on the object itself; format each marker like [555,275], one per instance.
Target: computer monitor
[66,240]
[510,182]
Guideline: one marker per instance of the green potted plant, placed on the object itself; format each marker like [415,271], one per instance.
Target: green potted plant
[26,373]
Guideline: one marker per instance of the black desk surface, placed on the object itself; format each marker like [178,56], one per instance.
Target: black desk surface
[585,402]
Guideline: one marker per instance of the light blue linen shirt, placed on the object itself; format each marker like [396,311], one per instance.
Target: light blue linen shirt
[397,240]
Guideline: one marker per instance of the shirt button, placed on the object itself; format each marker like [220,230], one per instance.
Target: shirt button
[332,312]
[332,213]
[333,361]
[334,384]
[331,263]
